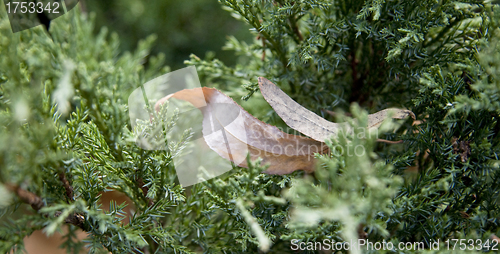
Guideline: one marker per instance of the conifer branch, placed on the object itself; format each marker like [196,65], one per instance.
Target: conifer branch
[67,186]
[37,203]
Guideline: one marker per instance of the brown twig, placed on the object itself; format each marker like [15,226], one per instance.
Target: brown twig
[357,82]
[263,47]
[74,219]
[145,191]
[261,37]
[295,28]
[67,186]
[36,203]
[27,197]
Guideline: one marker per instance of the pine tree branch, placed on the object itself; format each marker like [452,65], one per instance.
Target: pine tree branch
[74,219]
[36,203]
[27,197]
[145,191]
[295,30]
[67,186]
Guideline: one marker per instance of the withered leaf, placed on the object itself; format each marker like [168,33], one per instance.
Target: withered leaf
[310,124]
[233,133]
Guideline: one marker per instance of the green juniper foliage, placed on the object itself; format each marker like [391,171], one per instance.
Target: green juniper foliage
[66,138]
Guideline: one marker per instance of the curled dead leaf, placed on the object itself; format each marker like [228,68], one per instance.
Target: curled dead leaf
[310,124]
[233,133]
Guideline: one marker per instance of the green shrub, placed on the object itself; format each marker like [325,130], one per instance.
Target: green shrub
[65,133]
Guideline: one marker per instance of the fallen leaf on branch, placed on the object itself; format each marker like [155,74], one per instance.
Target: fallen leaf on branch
[310,124]
[232,132]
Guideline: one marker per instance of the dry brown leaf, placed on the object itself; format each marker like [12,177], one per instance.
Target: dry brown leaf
[40,243]
[232,132]
[376,119]
[310,124]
